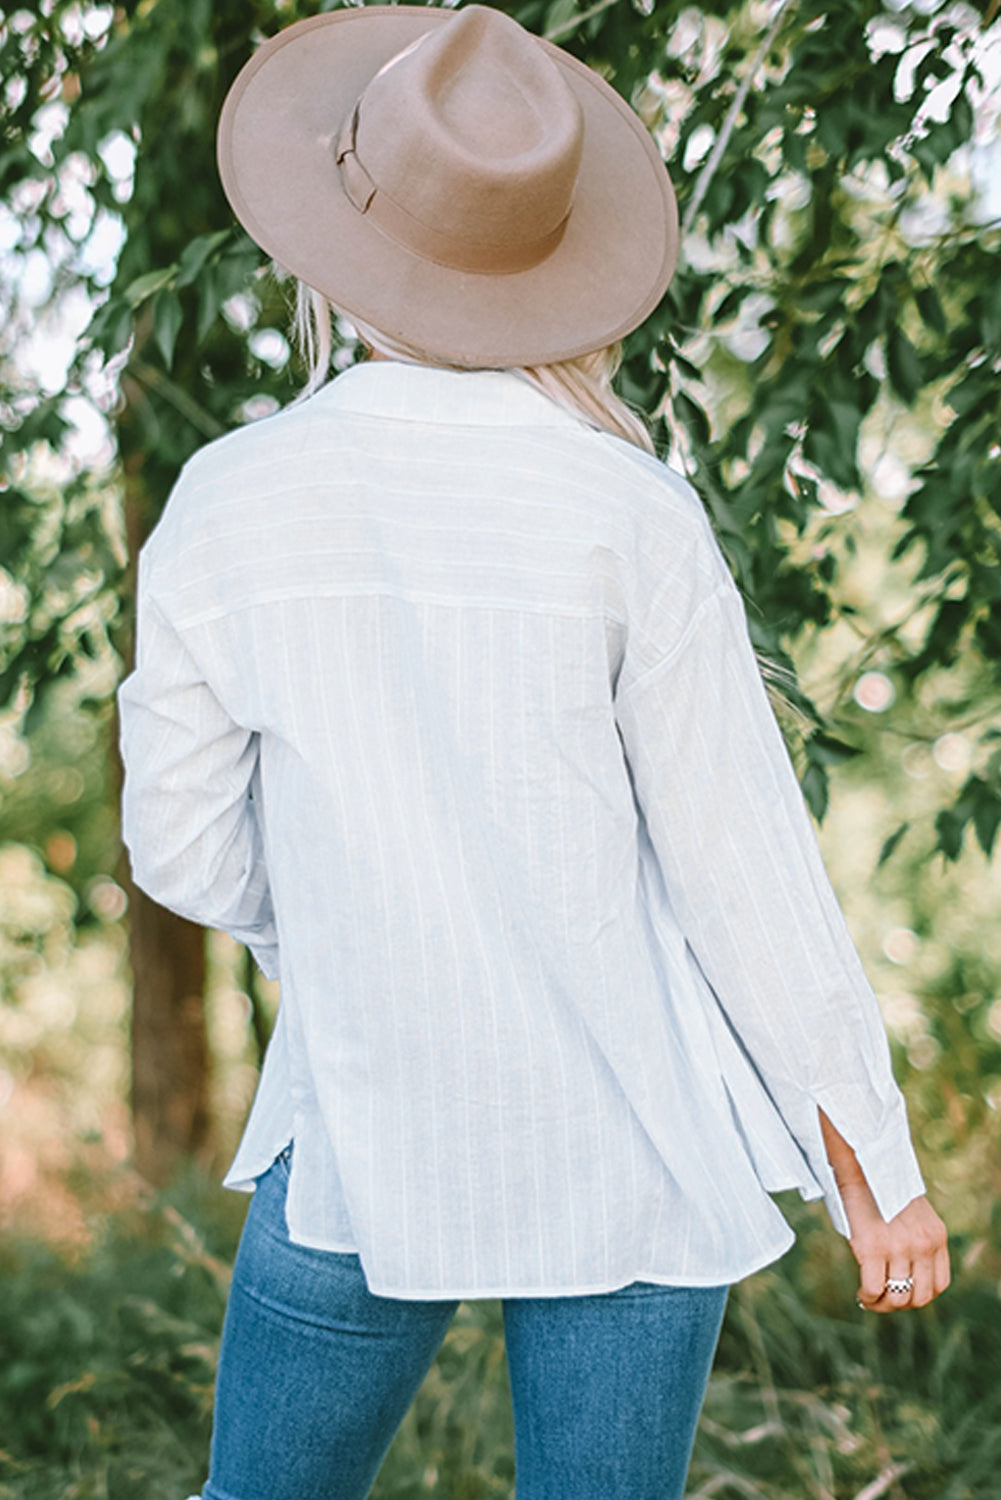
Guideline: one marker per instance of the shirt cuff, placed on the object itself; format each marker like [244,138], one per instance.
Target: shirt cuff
[890,1168]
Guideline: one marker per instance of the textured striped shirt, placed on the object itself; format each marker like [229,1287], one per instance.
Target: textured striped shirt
[446,706]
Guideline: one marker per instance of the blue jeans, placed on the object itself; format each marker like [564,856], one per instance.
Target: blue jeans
[316,1374]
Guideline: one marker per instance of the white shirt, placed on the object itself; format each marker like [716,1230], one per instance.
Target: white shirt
[445,704]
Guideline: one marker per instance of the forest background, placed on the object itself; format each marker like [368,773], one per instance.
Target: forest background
[826,369]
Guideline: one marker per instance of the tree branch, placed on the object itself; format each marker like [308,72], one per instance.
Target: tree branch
[568,26]
[155,380]
[723,139]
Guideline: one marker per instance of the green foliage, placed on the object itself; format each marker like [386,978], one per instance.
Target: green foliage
[106,1369]
[812,307]
[816,305]
[806,241]
[63,561]
[63,802]
[848,288]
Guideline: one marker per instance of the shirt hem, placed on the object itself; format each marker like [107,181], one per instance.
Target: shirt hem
[246,1182]
[492,1293]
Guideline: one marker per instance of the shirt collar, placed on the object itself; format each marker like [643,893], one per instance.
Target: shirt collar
[426,393]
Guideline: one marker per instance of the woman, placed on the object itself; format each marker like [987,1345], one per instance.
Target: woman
[445,704]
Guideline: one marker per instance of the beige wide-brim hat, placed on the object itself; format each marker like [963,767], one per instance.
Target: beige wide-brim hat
[453,181]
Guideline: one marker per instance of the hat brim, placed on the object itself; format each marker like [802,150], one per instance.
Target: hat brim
[276,138]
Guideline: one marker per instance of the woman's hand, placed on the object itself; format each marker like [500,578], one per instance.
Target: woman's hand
[914,1243]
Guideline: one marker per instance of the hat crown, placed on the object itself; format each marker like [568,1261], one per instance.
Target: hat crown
[408,161]
[473,133]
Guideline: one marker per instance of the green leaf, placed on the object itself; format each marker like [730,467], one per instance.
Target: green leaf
[822,296]
[951,821]
[816,789]
[903,365]
[988,633]
[905,542]
[10,682]
[682,365]
[195,255]
[846,419]
[718,200]
[975,389]
[731,303]
[930,308]
[111,327]
[832,455]
[828,751]
[144,286]
[950,825]
[210,299]
[927,157]
[691,414]
[891,843]
[986,817]
[941,642]
[168,316]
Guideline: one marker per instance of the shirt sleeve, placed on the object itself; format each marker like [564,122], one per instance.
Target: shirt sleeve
[189,818]
[742,867]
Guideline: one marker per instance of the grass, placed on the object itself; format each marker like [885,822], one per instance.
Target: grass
[107,1363]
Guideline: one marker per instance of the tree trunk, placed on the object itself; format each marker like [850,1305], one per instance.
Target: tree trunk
[170,1056]
[170,1063]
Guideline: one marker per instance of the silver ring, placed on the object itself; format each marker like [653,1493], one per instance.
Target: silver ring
[899,1285]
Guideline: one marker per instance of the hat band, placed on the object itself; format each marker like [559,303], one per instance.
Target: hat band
[430,244]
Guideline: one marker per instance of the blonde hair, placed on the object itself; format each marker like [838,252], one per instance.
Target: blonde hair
[583,385]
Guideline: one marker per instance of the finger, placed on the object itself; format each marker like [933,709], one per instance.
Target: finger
[923,1271]
[872,1280]
[941,1273]
[897,1294]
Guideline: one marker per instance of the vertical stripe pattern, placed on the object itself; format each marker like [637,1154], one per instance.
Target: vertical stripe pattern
[444,703]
